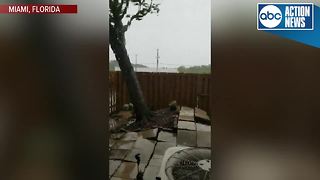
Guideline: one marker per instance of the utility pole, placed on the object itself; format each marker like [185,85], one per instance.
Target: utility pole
[136,63]
[158,60]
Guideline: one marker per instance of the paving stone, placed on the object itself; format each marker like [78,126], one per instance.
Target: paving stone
[186,125]
[186,109]
[156,160]
[149,134]
[144,155]
[161,147]
[186,118]
[142,143]
[143,147]
[130,136]
[151,172]
[116,178]
[203,127]
[167,136]
[187,138]
[202,116]
[118,154]
[127,170]
[119,144]
[113,166]
[186,114]
[204,139]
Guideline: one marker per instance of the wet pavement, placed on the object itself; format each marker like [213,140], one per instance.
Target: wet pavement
[203,127]
[151,172]
[186,114]
[187,138]
[186,125]
[119,144]
[149,134]
[167,136]
[128,170]
[161,147]
[204,139]
[152,144]
[201,116]
[118,154]
[113,166]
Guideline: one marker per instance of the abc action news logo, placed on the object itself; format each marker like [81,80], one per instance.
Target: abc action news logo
[285,16]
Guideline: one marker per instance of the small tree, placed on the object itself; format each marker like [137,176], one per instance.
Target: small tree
[120,19]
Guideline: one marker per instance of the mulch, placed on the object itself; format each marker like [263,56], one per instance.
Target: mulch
[163,118]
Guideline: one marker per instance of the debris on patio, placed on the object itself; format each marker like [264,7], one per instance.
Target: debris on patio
[184,128]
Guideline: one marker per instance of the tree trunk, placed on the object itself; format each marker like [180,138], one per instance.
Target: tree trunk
[135,93]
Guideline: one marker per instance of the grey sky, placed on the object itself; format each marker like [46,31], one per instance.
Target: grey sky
[181,31]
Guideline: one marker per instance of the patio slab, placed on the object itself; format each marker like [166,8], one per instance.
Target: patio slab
[142,143]
[130,136]
[203,127]
[202,116]
[144,156]
[161,147]
[151,172]
[204,139]
[113,166]
[143,147]
[127,170]
[186,125]
[118,154]
[167,136]
[119,144]
[116,178]
[149,134]
[186,114]
[187,138]
[156,160]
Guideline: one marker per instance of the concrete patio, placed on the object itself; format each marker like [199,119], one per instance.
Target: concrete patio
[152,144]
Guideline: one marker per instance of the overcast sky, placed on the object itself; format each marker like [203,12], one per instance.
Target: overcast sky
[181,31]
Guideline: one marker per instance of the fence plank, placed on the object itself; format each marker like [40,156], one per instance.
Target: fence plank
[161,88]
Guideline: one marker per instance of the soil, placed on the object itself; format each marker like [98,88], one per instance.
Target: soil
[163,118]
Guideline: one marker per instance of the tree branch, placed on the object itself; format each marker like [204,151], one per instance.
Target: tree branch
[141,12]
[125,10]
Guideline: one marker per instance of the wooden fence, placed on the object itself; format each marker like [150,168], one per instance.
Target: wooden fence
[161,88]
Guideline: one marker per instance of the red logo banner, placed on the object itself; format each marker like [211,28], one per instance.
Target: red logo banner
[38,9]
